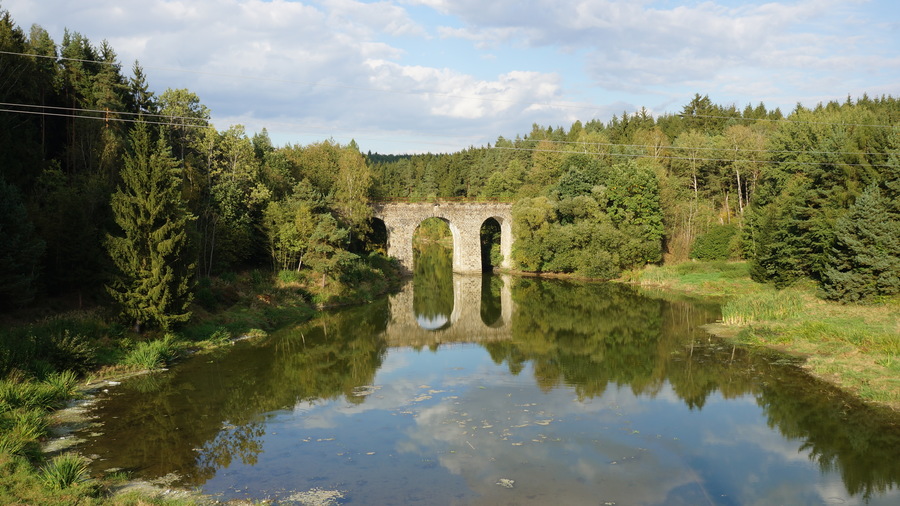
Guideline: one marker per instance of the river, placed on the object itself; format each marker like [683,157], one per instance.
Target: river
[499,390]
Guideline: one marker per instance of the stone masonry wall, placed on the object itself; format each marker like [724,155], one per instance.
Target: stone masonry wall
[465,220]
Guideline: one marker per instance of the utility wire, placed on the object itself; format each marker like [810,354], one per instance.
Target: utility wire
[104,111]
[428,93]
[317,83]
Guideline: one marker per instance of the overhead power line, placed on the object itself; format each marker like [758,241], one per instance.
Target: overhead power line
[426,93]
[74,110]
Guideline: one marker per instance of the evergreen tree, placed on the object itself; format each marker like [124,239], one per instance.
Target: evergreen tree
[20,249]
[865,259]
[154,285]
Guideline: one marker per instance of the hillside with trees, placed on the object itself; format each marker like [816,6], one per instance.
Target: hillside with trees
[85,147]
[813,194]
[112,192]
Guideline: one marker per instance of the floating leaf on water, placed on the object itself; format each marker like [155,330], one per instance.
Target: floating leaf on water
[506,482]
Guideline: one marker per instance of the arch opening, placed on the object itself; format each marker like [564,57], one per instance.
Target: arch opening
[376,238]
[490,238]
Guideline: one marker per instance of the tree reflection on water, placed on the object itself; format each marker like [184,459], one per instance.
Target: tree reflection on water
[212,412]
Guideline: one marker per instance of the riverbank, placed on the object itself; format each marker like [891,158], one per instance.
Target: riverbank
[90,345]
[855,347]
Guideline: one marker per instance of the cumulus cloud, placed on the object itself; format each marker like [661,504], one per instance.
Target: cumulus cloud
[462,72]
[646,46]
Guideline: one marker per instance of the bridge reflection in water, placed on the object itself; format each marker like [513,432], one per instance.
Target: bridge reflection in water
[474,317]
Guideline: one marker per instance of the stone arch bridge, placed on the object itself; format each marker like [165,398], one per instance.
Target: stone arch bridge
[465,220]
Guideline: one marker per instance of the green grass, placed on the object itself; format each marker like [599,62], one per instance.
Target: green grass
[154,355]
[854,346]
[715,278]
[768,305]
[64,471]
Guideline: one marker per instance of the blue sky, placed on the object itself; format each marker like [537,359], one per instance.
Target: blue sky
[408,76]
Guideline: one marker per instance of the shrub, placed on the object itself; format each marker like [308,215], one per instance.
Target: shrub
[290,277]
[72,352]
[717,244]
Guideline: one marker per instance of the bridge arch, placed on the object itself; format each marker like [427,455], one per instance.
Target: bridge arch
[465,221]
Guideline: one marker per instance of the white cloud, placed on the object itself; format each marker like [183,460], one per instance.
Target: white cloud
[463,72]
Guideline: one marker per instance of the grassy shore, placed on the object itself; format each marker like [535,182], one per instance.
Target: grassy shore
[43,362]
[854,346]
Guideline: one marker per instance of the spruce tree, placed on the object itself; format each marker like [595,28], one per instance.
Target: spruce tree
[864,261]
[155,279]
[20,249]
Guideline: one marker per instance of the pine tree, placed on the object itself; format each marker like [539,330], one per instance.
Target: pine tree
[154,285]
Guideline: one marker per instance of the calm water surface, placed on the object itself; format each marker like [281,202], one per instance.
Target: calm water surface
[500,391]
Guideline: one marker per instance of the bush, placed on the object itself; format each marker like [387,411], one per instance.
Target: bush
[290,277]
[717,244]
[62,343]
[72,352]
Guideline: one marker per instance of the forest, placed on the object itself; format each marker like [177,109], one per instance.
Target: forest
[114,193]
[127,196]
[814,194]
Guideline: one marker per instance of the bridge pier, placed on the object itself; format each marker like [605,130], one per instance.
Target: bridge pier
[465,221]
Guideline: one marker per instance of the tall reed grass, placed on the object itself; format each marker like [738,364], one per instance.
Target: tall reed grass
[762,306]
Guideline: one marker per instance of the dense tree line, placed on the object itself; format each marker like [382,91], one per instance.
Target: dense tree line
[107,187]
[813,194]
